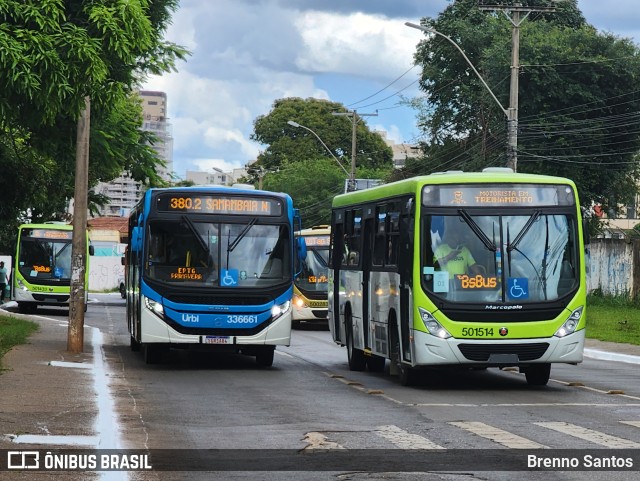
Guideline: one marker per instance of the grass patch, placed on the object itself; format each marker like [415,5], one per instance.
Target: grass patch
[14,331]
[613,319]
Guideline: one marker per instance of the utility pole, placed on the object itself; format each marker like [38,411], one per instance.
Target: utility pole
[261,172]
[512,112]
[75,335]
[354,122]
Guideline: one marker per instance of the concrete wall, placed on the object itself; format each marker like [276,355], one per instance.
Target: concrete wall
[105,273]
[105,268]
[612,266]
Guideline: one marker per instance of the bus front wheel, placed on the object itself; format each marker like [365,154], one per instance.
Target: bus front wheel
[357,361]
[538,374]
[27,307]
[264,357]
[153,353]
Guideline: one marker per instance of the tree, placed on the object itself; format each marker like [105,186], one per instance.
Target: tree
[578,100]
[286,143]
[296,161]
[54,53]
[312,184]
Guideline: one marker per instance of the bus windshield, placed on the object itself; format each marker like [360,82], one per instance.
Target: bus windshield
[519,258]
[314,271]
[188,252]
[45,259]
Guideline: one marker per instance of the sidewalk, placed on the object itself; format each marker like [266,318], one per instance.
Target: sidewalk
[54,398]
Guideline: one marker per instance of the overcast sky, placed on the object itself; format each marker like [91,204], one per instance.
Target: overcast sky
[248,53]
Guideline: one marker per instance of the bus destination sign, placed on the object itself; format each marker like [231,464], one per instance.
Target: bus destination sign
[317,240]
[497,195]
[48,234]
[218,204]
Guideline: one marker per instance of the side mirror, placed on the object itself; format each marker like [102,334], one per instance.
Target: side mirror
[585,232]
[301,249]
[92,250]
[136,239]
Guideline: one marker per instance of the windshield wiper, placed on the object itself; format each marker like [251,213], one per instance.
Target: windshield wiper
[231,246]
[319,258]
[525,229]
[195,232]
[477,230]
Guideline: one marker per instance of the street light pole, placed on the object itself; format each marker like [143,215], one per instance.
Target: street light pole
[354,123]
[511,113]
[296,124]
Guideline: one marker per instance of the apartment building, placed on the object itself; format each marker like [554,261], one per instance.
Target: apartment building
[124,192]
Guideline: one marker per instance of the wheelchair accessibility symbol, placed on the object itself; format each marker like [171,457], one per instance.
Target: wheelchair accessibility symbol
[518,288]
[229,278]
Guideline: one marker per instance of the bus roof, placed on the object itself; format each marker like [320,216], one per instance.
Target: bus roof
[414,184]
[48,225]
[219,189]
[315,230]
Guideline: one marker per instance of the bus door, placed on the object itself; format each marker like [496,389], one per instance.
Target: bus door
[368,233]
[405,267]
[336,252]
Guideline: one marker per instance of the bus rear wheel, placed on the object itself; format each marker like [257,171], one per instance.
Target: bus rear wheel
[538,374]
[135,345]
[376,363]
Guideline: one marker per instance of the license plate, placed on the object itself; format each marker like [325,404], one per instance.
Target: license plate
[218,340]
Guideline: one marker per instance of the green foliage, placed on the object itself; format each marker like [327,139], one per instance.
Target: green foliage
[578,100]
[613,319]
[286,143]
[14,331]
[311,162]
[53,54]
[312,184]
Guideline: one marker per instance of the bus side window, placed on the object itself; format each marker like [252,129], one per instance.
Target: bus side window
[345,251]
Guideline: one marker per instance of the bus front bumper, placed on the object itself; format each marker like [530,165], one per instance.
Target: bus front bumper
[429,350]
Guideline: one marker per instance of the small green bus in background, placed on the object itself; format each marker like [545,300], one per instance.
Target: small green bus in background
[471,270]
[41,274]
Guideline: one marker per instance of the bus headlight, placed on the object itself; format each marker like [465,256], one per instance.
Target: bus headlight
[569,326]
[299,302]
[433,326]
[280,309]
[154,307]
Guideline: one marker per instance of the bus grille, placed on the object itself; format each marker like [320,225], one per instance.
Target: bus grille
[62,298]
[482,352]
[219,300]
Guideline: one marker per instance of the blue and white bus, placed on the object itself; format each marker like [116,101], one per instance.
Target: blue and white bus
[211,268]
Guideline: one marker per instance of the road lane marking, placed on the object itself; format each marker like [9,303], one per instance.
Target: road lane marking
[590,435]
[632,423]
[360,387]
[404,439]
[316,440]
[510,440]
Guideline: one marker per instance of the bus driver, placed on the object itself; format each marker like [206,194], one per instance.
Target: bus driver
[456,261]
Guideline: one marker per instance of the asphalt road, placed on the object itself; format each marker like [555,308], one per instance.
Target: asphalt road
[310,400]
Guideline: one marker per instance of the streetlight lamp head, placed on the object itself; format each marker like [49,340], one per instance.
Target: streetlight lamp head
[419,27]
[293,124]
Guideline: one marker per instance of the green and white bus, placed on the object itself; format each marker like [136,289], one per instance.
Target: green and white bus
[42,271]
[472,270]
